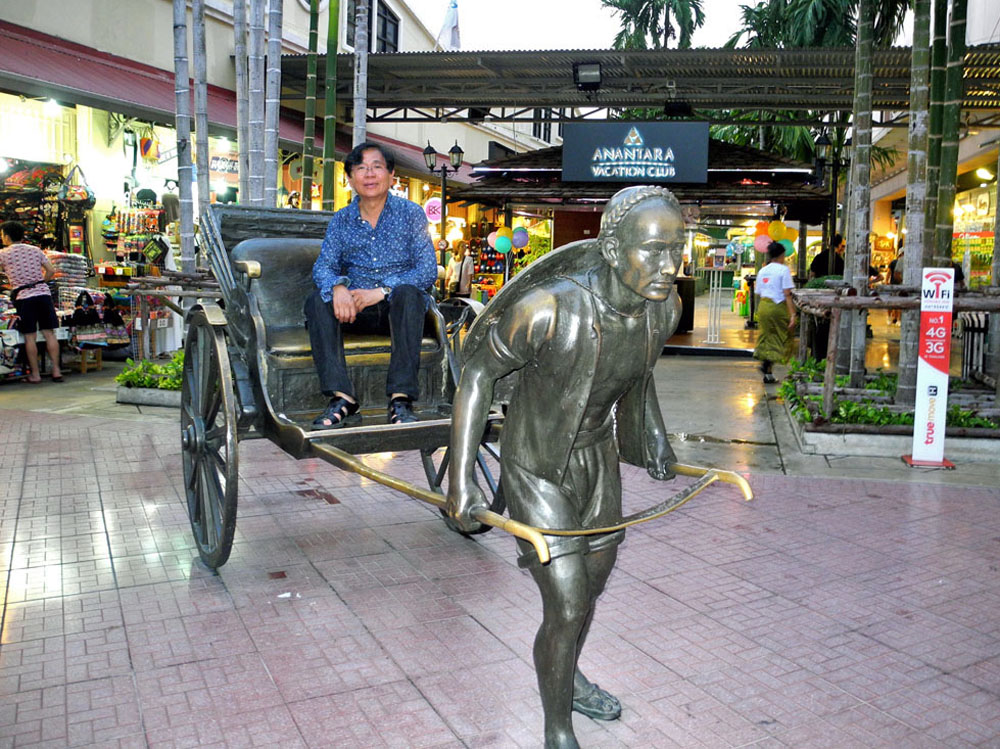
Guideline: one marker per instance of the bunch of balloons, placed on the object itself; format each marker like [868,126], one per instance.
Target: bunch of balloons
[505,238]
[774,231]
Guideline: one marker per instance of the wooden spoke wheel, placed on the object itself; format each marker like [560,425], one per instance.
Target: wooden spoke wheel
[484,480]
[208,440]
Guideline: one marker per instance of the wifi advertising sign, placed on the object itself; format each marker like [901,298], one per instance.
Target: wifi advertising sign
[937,293]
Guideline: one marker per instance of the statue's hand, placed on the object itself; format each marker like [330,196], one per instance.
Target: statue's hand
[461,500]
[658,464]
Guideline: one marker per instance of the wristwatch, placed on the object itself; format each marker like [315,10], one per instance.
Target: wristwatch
[387,290]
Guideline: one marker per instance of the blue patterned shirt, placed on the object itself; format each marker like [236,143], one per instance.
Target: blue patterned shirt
[397,251]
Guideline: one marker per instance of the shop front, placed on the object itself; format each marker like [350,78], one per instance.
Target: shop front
[742,187]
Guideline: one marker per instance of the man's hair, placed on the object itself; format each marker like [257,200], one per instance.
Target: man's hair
[775,250]
[13,229]
[357,155]
[625,200]
[838,240]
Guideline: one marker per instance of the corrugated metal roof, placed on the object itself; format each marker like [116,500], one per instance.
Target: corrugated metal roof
[794,79]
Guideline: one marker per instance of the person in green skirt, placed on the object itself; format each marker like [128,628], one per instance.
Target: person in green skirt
[775,312]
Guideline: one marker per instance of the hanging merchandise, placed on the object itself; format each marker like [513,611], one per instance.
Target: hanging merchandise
[86,322]
[149,145]
[79,196]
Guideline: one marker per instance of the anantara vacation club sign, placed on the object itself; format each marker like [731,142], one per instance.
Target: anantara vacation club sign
[649,152]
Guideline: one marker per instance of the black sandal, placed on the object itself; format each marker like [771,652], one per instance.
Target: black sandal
[338,413]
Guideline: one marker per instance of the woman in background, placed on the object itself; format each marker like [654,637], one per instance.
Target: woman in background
[775,313]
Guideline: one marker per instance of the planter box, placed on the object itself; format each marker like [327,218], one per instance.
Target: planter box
[149,397]
[977,449]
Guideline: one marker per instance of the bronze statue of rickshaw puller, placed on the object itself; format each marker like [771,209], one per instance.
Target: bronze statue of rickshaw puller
[580,331]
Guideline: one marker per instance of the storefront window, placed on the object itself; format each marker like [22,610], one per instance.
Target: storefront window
[972,240]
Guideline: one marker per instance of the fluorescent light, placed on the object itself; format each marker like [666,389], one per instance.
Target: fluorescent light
[984,173]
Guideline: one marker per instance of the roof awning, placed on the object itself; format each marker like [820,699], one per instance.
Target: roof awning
[37,64]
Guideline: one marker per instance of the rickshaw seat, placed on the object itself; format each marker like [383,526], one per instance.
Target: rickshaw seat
[285,281]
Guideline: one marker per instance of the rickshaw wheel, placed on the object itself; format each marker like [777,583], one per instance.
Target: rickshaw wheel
[208,440]
[484,479]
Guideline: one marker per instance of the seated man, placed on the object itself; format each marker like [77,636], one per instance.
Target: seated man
[582,328]
[371,275]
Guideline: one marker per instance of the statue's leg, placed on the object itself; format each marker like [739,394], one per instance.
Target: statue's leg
[588,698]
[566,605]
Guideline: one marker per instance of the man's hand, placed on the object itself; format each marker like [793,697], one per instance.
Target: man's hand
[344,308]
[366,297]
[461,501]
[791,322]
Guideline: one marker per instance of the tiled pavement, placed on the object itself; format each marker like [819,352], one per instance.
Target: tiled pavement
[833,612]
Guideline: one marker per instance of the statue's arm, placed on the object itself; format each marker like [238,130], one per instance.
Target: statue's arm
[471,408]
[659,453]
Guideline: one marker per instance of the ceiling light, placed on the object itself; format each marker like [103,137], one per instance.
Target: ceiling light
[587,75]
[984,173]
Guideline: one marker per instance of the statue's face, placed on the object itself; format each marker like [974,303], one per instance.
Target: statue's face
[650,246]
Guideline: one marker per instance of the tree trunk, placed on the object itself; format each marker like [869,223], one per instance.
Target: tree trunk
[273,104]
[951,118]
[242,97]
[309,141]
[361,45]
[859,252]
[916,193]
[255,58]
[330,107]
[182,97]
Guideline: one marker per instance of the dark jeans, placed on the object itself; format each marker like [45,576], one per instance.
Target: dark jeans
[402,317]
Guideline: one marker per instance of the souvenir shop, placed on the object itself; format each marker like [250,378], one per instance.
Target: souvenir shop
[98,233]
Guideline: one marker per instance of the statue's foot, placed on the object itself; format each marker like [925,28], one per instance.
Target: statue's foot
[596,703]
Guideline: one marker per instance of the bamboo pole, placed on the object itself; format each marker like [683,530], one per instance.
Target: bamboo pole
[951,118]
[182,98]
[272,103]
[361,46]
[916,194]
[330,108]
[201,107]
[308,143]
[255,77]
[242,98]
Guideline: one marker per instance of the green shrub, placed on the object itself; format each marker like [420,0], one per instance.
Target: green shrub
[147,374]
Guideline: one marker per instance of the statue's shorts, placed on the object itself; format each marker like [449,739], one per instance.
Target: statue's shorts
[589,496]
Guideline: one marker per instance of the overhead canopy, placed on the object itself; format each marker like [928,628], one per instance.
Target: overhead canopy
[538,85]
[37,64]
[737,176]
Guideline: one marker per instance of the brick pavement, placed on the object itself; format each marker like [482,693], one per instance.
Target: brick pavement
[827,613]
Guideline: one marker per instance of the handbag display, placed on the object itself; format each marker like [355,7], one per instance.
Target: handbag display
[79,195]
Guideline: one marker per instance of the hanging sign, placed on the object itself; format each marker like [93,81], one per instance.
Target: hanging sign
[432,210]
[931,407]
[645,152]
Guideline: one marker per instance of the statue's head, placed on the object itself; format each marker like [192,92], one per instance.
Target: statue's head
[642,239]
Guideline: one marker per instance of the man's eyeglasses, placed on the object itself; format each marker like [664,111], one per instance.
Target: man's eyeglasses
[370,168]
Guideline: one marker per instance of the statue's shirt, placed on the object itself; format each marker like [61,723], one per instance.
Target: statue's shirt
[620,364]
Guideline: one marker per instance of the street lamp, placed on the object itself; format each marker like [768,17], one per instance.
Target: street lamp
[825,160]
[455,156]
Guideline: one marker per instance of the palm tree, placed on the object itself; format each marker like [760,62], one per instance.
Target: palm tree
[651,24]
